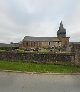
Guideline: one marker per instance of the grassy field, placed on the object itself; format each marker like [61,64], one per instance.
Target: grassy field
[39,68]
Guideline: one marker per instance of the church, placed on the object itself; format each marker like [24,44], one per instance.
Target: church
[47,42]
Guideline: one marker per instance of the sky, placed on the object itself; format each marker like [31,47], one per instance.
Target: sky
[20,18]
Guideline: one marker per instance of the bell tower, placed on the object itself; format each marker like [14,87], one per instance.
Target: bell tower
[62,31]
[61,34]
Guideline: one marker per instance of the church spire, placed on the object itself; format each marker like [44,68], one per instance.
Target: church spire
[61,24]
[62,31]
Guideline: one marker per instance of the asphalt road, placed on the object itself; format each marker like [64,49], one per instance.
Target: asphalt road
[21,82]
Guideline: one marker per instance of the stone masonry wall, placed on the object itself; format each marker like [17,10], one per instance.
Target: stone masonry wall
[38,57]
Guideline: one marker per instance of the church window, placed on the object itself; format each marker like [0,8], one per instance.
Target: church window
[26,43]
[49,43]
[34,43]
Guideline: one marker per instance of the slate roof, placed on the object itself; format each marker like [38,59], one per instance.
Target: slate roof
[75,43]
[15,44]
[9,45]
[30,38]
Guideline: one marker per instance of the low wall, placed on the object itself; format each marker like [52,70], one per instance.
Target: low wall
[77,57]
[38,57]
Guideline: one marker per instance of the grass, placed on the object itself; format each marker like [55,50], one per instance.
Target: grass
[39,68]
[44,50]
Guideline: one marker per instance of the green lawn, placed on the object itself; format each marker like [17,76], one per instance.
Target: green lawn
[40,68]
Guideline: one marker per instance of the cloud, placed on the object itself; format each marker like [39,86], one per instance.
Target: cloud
[19,18]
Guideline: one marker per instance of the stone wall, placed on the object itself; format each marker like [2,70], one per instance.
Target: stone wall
[39,44]
[38,57]
[77,57]
[64,42]
[75,48]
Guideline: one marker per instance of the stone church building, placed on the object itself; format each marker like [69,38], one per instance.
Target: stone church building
[44,42]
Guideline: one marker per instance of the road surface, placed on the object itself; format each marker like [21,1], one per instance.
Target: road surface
[21,82]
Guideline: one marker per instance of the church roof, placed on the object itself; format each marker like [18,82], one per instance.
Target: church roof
[9,45]
[75,43]
[30,38]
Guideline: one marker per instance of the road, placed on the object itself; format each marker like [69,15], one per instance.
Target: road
[21,82]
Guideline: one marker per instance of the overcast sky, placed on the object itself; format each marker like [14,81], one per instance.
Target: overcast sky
[19,18]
